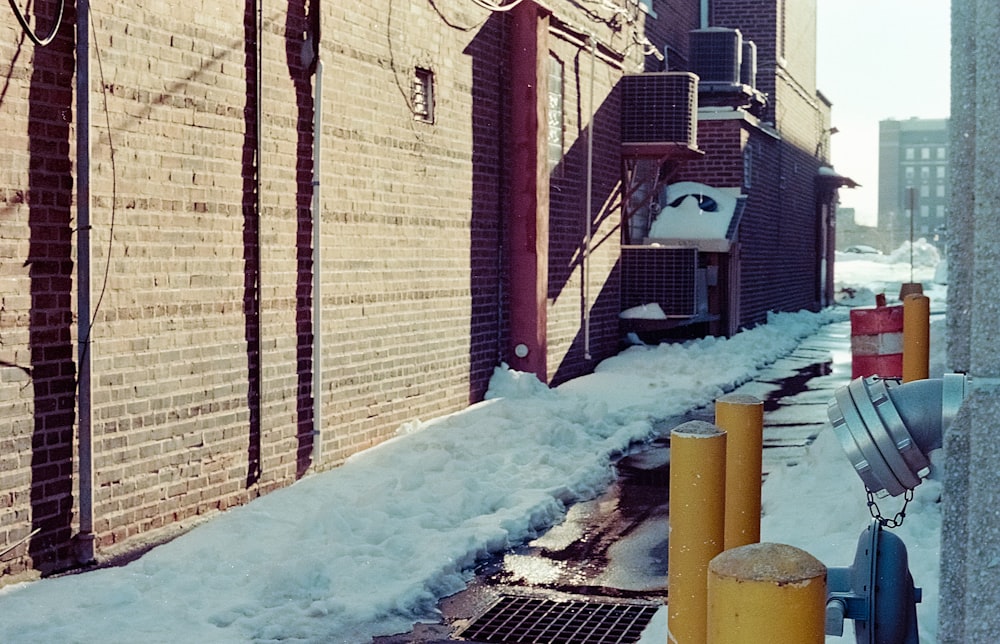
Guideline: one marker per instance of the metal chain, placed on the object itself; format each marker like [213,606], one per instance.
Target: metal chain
[876,513]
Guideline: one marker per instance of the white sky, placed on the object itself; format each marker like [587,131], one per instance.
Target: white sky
[879,59]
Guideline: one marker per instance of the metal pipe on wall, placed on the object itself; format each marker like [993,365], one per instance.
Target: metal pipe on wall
[317,273]
[585,268]
[85,537]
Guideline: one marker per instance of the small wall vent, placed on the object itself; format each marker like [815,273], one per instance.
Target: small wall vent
[660,107]
[716,54]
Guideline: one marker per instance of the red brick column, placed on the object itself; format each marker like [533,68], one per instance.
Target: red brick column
[529,199]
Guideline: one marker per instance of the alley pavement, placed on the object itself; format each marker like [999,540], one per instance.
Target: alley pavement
[607,562]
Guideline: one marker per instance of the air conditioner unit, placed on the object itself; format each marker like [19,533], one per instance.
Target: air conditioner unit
[660,107]
[748,66]
[716,53]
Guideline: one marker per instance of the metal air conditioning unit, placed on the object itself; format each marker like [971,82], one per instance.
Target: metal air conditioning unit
[748,66]
[660,107]
[716,55]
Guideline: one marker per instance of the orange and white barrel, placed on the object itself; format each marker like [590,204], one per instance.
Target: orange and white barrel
[877,342]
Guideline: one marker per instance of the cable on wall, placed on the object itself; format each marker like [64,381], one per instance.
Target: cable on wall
[486,4]
[41,42]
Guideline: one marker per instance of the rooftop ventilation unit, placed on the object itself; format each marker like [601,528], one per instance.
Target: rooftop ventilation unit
[716,53]
[748,66]
[660,107]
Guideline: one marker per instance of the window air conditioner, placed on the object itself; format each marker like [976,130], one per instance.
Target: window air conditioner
[660,107]
[716,54]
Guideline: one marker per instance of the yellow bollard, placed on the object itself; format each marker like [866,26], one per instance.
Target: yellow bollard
[766,592]
[916,337]
[697,526]
[742,418]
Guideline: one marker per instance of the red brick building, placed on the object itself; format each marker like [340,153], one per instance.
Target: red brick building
[247,322]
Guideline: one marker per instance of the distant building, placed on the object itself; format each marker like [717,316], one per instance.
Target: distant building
[851,233]
[913,174]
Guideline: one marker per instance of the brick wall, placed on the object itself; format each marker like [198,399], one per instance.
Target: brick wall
[569,305]
[37,347]
[778,231]
[202,344]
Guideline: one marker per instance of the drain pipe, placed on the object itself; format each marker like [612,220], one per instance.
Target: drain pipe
[704,13]
[585,268]
[887,430]
[317,276]
[85,538]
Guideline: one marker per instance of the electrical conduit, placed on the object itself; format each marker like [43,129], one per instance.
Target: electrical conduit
[85,538]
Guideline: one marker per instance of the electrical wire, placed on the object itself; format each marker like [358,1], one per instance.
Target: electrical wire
[486,4]
[114,183]
[41,42]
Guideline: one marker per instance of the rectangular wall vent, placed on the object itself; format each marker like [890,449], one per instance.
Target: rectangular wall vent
[716,54]
[660,107]
[533,620]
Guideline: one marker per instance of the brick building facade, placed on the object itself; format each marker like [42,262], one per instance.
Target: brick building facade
[455,233]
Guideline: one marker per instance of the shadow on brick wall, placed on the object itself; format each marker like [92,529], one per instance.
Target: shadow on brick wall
[251,241]
[50,271]
[297,23]
[487,276]
[568,221]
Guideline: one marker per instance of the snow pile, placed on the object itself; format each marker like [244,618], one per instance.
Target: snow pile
[371,546]
[860,277]
[925,255]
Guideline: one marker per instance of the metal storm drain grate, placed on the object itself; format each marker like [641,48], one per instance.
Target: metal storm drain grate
[531,620]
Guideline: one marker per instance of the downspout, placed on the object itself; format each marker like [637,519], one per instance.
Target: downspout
[704,14]
[590,206]
[317,272]
[85,538]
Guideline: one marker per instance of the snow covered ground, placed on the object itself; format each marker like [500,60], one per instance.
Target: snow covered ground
[367,548]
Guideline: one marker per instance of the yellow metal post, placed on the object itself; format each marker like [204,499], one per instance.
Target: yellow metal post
[742,417]
[697,525]
[766,592]
[916,337]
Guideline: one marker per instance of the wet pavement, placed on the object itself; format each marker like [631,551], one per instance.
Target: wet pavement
[614,548]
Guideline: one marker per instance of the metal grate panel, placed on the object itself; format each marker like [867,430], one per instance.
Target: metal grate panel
[716,54]
[667,276]
[533,620]
[660,107]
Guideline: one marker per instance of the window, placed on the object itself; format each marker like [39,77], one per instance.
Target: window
[423,95]
[909,154]
[925,191]
[925,173]
[939,191]
[555,129]
[925,153]
[940,172]
[925,211]
[940,153]
[909,171]
[939,211]
[647,6]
